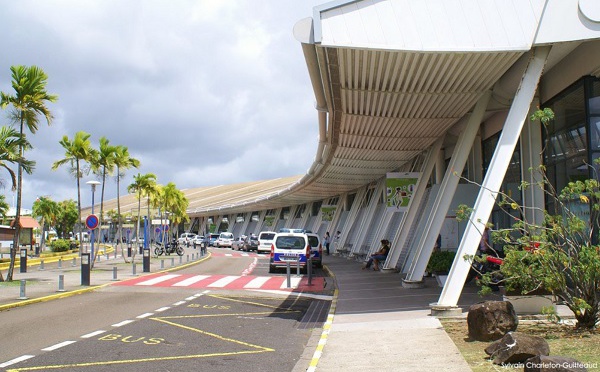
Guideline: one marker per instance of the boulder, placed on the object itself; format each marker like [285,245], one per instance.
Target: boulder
[491,320]
[516,347]
[544,363]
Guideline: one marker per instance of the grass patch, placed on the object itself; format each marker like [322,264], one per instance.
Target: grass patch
[563,340]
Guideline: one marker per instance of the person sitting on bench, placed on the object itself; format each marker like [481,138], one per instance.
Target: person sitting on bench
[379,256]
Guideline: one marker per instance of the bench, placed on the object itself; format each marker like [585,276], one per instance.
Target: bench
[345,250]
[362,253]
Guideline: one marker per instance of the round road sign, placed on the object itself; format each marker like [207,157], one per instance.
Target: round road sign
[91,222]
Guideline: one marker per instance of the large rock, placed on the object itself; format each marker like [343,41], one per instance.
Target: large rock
[544,363]
[491,320]
[516,347]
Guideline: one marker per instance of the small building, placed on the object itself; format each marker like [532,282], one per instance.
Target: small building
[27,225]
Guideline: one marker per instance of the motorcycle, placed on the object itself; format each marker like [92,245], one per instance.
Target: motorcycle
[491,264]
[168,248]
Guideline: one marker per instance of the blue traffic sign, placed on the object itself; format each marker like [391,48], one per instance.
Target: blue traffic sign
[92,221]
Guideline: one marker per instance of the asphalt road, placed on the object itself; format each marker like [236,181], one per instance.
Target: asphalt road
[163,328]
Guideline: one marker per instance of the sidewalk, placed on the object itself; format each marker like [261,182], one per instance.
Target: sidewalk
[377,325]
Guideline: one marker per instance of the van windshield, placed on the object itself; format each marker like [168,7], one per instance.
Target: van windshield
[290,242]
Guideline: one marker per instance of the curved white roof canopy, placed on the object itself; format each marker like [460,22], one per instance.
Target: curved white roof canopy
[392,76]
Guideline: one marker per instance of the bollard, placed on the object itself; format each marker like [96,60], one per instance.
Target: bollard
[99,257]
[60,263]
[133,267]
[180,260]
[41,264]
[172,261]
[162,264]
[74,262]
[61,283]
[114,273]
[187,258]
[22,297]
[107,257]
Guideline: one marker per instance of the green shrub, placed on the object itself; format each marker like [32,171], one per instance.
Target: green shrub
[60,245]
[440,262]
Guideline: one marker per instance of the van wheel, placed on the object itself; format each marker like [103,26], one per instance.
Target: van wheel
[319,265]
[271,269]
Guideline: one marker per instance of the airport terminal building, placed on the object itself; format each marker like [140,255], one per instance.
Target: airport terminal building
[423,105]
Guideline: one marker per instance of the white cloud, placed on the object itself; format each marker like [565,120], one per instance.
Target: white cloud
[202,92]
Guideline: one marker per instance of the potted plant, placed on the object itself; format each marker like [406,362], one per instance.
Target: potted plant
[439,264]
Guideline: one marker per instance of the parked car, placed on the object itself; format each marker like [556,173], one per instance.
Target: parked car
[238,244]
[212,240]
[265,239]
[289,247]
[198,241]
[224,240]
[186,239]
[250,243]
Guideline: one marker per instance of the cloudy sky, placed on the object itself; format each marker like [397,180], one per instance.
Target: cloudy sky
[202,92]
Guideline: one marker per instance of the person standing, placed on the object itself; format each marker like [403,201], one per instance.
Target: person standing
[327,241]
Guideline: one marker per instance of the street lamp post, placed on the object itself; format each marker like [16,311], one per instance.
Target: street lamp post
[93,184]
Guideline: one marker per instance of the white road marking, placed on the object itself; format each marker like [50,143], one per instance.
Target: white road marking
[158,279]
[16,360]
[93,334]
[59,345]
[125,322]
[223,281]
[257,282]
[293,283]
[191,280]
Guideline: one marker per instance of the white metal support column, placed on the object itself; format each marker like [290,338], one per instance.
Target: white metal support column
[360,194]
[247,218]
[447,189]
[369,213]
[493,180]
[291,217]
[409,216]
[333,224]
[306,215]
[260,222]
[531,148]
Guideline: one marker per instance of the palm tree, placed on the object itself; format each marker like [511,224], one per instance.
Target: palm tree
[122,161]
[4,207]
[174,201]
[76,150]
[141,183]
[28,101]
[11,143]
[103,164]
[46,209]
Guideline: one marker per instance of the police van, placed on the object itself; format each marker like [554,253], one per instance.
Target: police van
[292,248]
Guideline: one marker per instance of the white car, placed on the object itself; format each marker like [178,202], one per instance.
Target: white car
[186,239]
[265,239]
[225,239]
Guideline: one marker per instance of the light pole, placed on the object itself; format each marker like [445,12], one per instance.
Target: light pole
[93,184]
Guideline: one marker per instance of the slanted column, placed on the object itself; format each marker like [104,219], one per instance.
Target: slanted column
[399,241]
[531,148]
[493,180]
[447,189]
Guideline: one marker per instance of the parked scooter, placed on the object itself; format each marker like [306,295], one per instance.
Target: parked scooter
[168,248]
[491,264]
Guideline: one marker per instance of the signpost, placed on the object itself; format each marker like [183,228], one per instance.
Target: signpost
[91,222]
[288,259]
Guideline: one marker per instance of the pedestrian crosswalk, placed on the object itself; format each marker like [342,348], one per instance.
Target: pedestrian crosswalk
[230,282]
